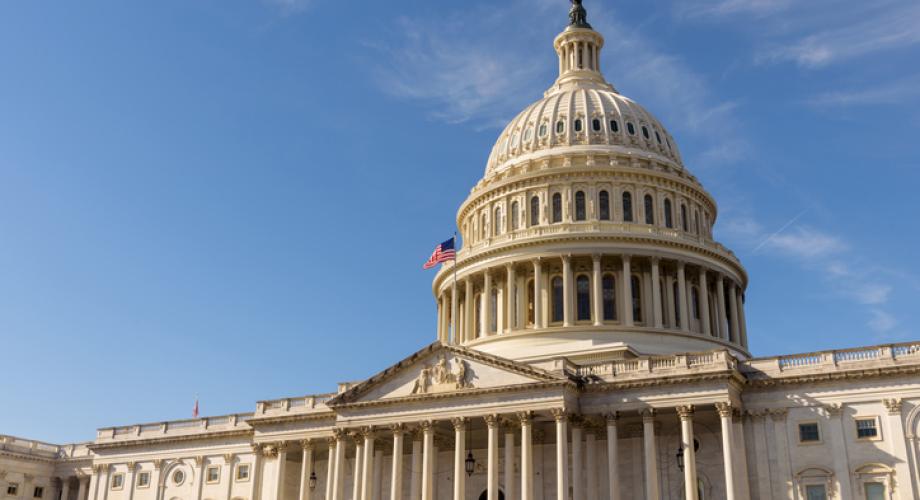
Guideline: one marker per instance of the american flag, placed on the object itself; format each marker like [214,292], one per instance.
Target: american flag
[442,253]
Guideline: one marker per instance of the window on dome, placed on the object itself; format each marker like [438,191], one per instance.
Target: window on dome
[627,207]
[515,217]
[542,130]
[645,132]
[530,302]
[675,289]
[497,230]
[609,292]
[668,142]
[596,125]
[668,216]
[515,140]
[578,125]
[658,136]
[696,222]
[630,128]
[583,297]
[580,209]
[649,209]
[558,300]
[614,126]
[603,205]
[560,127]
[684,222]
[484,228]
[557,208]
[636,287]
[528,134]
[535,211]
[493,311]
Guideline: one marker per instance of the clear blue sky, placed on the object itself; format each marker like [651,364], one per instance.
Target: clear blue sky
[234,198]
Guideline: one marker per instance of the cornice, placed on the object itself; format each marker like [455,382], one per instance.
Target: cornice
[811,378]
[297,417]
[27,457]
[563,384]
[170,439]
[733,377]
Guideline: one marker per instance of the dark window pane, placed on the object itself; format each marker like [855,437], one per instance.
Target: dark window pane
[630,128]
[614,126]
[558,300]
[535,211]
[603,205]
[668,217]
[583,298]
[649,209]
[578,125]
[557,207]
[683,218]
[627,207]
[596,125]
[636,298]
[580,210]
[809,433]
[610,297]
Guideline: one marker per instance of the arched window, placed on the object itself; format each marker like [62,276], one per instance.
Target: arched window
[675,289]
[614,126]
[477,308]
[630,128]
[695,302]
[542,130]
[558,299]
[531,292]
[578,125]
[627,207]
[515,216]
[497,230]
[483,229]
[603,205]
[580,210]
[560,127]
[645,132]
[493,311]
[668,217]
[684,222]
[583,297]
[696,222]
[649,209]
[535,211]
[596,125]
[609,290]
[636,287]
[658,136]
[557,207]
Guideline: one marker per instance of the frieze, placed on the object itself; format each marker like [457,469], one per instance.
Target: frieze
[442,377]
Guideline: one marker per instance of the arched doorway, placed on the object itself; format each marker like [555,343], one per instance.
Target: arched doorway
[485,495]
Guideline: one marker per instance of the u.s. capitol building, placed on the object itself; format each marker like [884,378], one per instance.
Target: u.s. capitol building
[591,344]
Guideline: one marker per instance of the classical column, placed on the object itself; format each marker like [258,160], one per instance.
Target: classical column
[704,303]
[415,490]
[733,303]
[613,457]
[526,419]
[740,469]
[281,449]
[492,460]
[511,317]
[486,304]
[688,445]
[94,482]
[597,291]
[562,454]
[427,450]
[358,471]
[591,465]
[378,475]
[538,294]
[441,319]
[330,470]
[567,294]
[578,455]
[396,479]
[468,323]
[782,453]
[306,468]
[65,488]
[656,293]
[720,300]
[682,296]
[651,454]
[509,461]
[82,482]
[898,447]
[338,481]
[742,323]
[728,446]
[228,463]
[367,480]
[669,301]
[454,312]
[459,458]
[626,292]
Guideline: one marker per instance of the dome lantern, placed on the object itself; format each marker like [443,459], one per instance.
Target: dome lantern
[578,48]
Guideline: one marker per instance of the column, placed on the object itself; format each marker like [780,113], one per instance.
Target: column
[367,468]
[597,292]
[704,303]
[82,482]
[898,447]
[415,490]
[509,461]
[742,323]
[782,454]
[578,480]
[651,454]
[94,482]
[682,296]
[511,317]
[733,303]
[562,454]
[567,294]
[281,470]
[469,325]
[454,313]
[65,488]
[688,445]
[486,305]
[526,419]
[338,481]
[720,300]
[669,301]
[228,463]
[306,468]
[396,479]
[626,292]
[728,446]
[656,293]
[613,457]
[742,483]
[378,475]
[459,458]
[427,450]
[330,470]
[441,318]
[538,294]
[591,465]
[358,471]
[492,461]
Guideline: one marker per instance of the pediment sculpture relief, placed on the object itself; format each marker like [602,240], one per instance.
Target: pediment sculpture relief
[443,377]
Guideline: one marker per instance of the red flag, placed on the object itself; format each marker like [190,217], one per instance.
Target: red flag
[195,409]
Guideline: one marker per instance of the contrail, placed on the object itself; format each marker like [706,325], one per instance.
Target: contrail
[777,233]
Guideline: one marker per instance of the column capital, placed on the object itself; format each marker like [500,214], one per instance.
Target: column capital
[566,257]
[725,409]
[778,414]
[133,466]
[648,414]
[655,259]
[281,446]
[525,417]
[685,412]
[397,428]
[229,457]
[368,432]
[893,405]
[560,414]
[460,423]
[340,434]
[426,425]
[626,257]
[612,417]
[492,420]
[158,462]
[306,444]
[596,257]
[577,421]
[681,265]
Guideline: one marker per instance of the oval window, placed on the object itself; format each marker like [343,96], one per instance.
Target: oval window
[614,126]
[658,136]
[578,125]
[631,128]
[543,130]
[178,477]
[596,125]
[645,132]
[560,127]
[528,134]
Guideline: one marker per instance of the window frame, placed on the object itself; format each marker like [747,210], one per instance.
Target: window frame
[38,491]
[556,208]
[877,426]
[534,211]
[557,303]
[12,486]
[810,442]
[581,206]
[626,203]
[613,298]
[603,206]
[648,206]
[583,278]
[239,468]
[118,481]
[138,483]
[207,474]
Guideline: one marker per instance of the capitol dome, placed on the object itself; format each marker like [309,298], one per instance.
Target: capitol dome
[587,237]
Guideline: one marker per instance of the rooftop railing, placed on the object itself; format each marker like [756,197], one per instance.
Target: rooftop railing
[840,359]
[175,427]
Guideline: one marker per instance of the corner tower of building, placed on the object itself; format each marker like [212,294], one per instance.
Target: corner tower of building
[587,237]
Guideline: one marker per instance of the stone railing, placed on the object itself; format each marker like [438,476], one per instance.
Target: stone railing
[31,447]
[174,427]
[656,366]
[837,360]
[313,403]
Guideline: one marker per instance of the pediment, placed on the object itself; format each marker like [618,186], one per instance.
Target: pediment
[440,369]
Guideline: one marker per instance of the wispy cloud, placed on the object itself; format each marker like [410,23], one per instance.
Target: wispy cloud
[805,242]
[288,7]
[896,92]
[882,322]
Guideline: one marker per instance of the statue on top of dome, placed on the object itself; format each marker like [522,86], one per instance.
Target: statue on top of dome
[578,16]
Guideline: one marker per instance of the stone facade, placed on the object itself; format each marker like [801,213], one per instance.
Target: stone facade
[591,344]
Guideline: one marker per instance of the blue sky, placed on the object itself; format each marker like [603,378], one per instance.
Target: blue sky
[234,198]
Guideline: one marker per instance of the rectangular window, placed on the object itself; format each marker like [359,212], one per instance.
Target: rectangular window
[214,474]
[12,489]
[875,491]
[118,481]
[38,492]
[242,472]
[816,492]
[867,428]
[143,479]
[809,433]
